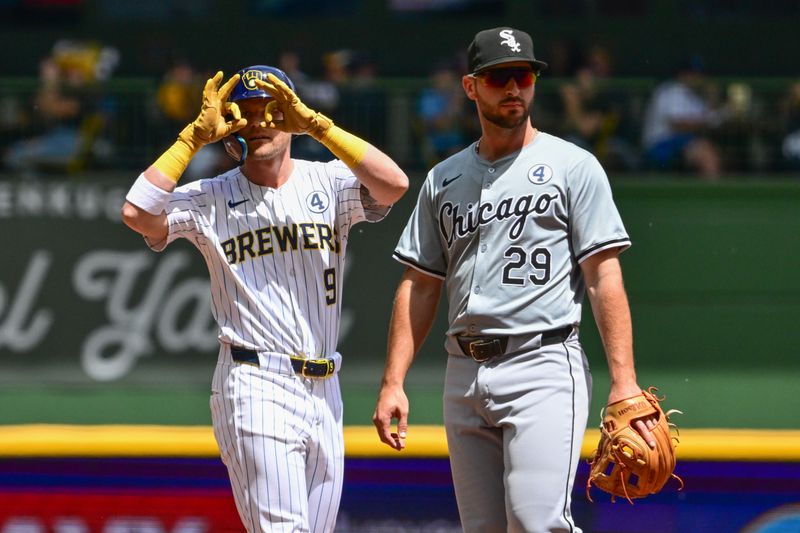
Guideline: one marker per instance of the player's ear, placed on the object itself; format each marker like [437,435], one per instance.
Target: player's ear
[468,83]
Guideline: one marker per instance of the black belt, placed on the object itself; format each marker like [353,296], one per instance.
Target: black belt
[308,368]
[482,348]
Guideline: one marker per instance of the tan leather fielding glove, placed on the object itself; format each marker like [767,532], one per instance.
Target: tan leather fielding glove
[298,118]
[210,126]
[623,464]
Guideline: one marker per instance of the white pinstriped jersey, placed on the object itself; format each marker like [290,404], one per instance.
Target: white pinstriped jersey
[275,256]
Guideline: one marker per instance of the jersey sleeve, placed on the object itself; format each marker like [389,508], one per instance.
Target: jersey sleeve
[185,216]
[595,221]
[353,200]
[420,245]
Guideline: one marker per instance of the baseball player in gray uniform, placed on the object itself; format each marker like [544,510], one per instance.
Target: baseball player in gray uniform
[517,227]
[273,233]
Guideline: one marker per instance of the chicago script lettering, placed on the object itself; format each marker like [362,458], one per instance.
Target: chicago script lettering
[453,224]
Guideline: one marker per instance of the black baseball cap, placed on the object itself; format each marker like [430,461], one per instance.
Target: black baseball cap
[501,45]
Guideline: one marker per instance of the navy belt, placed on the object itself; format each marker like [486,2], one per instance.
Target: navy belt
[482,348]
[308,368]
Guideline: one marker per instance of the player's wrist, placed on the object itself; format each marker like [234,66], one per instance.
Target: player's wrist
[625,391]
[344,145]
[320,126]
[176,158]
[192,137]
[392,382]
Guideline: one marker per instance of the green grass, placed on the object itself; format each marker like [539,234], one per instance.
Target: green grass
[756,398]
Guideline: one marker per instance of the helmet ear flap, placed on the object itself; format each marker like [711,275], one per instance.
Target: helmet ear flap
[236,147]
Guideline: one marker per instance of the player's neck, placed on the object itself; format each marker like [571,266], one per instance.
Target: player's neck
[268,172]
[499,142]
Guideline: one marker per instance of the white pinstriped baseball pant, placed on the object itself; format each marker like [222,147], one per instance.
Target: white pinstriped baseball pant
[280,436]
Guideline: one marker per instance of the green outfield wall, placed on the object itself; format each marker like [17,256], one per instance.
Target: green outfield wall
[96,329]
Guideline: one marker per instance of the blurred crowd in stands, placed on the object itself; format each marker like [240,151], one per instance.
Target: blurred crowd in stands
[76,117]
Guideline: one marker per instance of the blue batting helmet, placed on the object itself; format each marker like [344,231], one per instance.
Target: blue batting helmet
[235,144]
[246,88]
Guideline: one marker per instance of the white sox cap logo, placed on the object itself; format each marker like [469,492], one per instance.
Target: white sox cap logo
[501,45]
[510,41]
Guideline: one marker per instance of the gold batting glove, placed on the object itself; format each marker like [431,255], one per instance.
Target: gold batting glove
[299,118]
[210,126]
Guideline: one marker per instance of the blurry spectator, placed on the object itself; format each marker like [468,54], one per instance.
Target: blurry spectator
[743,137]
[790,109]
[563,58]
[599,61]
[677,123]
[15,118]
[71,112]
[337,66]
[440,108]
[180,93]
[592,117]
[321,94]
[289,62]
[363,70]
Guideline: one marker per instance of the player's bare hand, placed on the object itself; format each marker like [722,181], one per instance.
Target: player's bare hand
[297,117]
[644,427]
[392,405]
[218,118]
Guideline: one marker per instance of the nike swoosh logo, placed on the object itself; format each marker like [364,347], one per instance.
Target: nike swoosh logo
[447,182]
[233,204]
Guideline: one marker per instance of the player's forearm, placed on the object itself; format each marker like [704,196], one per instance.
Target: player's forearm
[159,179]
[612,314]
[154,227]
[610,308]
[412,317]
[386,181]
[174,161]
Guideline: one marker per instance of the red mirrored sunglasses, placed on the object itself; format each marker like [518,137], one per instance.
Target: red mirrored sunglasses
[498,78]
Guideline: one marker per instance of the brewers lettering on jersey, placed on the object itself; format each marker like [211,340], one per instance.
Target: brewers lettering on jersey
[273,232]
[276,266]
[517,228]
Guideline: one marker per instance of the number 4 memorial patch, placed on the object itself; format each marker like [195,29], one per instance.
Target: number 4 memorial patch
[318,201]
[540,174]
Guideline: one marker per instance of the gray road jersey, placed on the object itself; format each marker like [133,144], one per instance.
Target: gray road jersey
[508,237]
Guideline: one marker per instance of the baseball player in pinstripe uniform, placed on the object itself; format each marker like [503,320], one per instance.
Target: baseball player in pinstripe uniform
[273,233]
[517,228]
